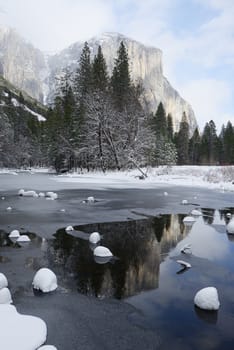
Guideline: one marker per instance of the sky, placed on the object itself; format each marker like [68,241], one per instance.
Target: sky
[196,37]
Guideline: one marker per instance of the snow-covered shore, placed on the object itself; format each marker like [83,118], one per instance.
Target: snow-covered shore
[212,177]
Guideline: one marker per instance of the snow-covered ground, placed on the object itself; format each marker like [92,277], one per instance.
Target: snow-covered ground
[213,177]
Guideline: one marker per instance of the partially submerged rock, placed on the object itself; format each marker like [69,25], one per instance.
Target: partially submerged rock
[45,280]
[207,299]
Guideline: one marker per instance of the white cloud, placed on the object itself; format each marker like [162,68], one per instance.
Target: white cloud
[209,98]
[54,24]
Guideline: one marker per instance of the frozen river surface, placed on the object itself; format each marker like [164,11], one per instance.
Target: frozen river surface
[141,299]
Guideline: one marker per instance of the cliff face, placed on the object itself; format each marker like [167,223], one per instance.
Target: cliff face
[22,64]
[145,66]
[30,70]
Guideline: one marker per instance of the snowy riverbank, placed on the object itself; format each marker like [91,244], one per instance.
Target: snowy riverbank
[212,177]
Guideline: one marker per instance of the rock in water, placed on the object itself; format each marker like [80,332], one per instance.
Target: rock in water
[102,251]
[207,299]
[94,237]
[45,280]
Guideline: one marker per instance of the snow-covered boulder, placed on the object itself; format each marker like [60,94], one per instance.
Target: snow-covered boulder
[94,237]
[189,219]
[195,212]
[3,281]
[90,199]
[47,347]
[230,226]
[102,251]
[69,228]
[9,208]
[45,280]
[21,192]
[24,193]
[51,195]
[165,194]
[14,234]
[20,331]
[184,201]
[23,238]
[41,194]
[207,299]
[5,296]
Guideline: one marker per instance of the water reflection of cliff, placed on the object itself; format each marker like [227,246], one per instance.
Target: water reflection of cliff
[138,245]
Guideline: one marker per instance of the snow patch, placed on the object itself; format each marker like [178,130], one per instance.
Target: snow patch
[14,234]
[23,238]
[3,281]
[188,219]
[5,296]
[40,117]
[20,331]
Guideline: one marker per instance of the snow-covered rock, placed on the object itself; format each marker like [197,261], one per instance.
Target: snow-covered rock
[228,215]
[207,299]
[24,193]
[9,208]
[165,193]
[183,263]
[3,281]
[45,280]
[186,249]
[5,296]
[69,228]
[14,234]
[195,212]
[47,347]
[184,201]
[20,332]
[90,199]
[51,195]
[94,237]
[102,251]
[41,194]
[189,219]
[23,238]
[230,226]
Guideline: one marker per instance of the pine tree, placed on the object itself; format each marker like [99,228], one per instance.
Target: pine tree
[99,72]
[183,141]
[209,144]
[159,122]
[170,130]
[83,79]
[194,148]
[120,80]
[226,140]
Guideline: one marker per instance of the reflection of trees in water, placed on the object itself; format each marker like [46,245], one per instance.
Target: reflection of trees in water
[138,245]
[208,215]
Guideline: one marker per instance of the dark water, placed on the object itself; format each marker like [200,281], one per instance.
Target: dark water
[143,272]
